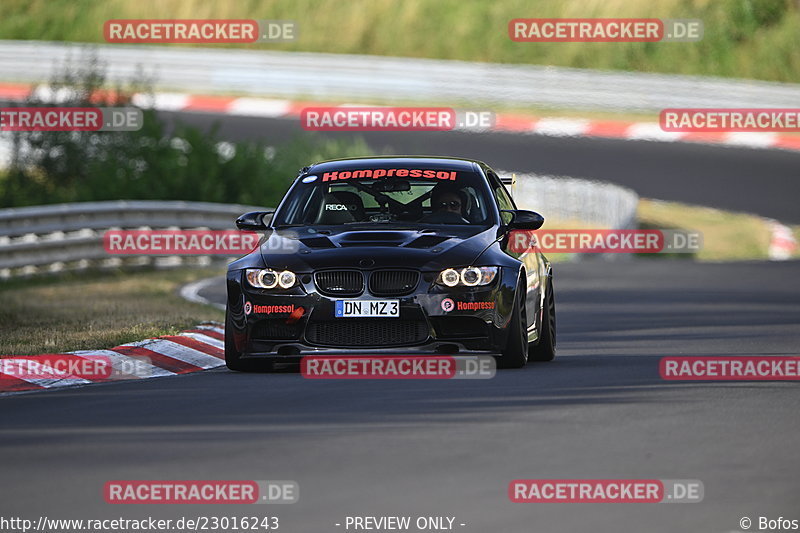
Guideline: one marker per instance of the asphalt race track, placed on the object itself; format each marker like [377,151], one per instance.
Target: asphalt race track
[764,182]
[450,448]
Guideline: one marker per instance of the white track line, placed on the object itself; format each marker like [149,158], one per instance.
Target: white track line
[191,292]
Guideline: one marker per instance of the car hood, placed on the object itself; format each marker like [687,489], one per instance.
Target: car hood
[429,249]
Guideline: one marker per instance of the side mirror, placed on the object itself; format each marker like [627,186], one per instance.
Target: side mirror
[253,221]
[525,220]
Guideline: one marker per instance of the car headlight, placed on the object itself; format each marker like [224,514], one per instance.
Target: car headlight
[286,279]
[266,278]
[467,277]
[449,277]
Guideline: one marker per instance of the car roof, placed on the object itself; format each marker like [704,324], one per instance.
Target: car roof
[432,162]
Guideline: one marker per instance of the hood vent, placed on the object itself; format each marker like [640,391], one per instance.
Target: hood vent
[318,242]
[373,238]
[348,244]
[426,241]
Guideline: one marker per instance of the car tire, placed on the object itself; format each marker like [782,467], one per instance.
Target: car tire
[233,358]
[516,351]
[545,349]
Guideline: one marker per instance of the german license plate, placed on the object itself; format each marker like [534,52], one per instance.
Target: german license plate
[367,308]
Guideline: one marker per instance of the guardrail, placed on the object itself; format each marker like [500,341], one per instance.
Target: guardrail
[340,76]
[63,237]
[570,200]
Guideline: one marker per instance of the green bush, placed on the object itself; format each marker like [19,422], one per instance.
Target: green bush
[156,162]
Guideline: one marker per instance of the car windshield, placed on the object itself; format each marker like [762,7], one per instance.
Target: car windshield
[408,196]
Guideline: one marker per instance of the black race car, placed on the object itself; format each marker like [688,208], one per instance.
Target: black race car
[391,255]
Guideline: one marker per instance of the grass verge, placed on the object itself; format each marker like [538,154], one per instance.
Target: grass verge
[97,311]
[727,236]
[742,38]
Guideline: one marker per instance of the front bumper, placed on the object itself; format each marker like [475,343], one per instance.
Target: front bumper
[433,321]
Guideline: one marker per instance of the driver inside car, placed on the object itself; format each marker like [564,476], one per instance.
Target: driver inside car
[450,205]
